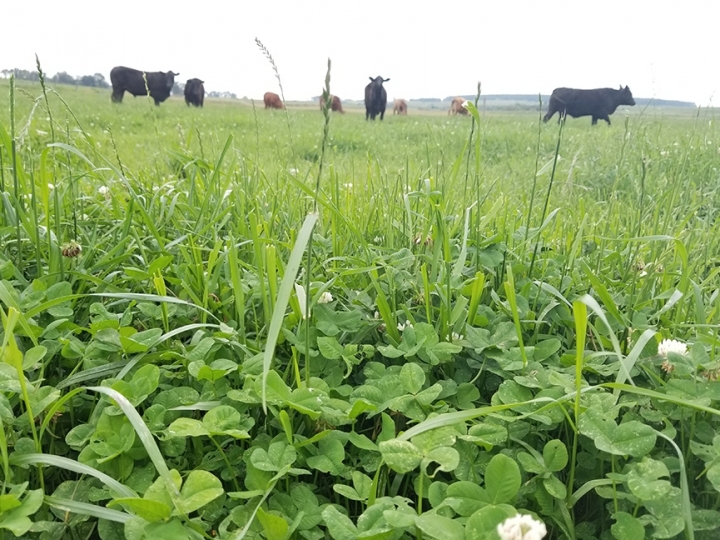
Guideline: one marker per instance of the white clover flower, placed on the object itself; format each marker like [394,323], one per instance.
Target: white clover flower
[104,191]
[348,185]
[457,337]
[51,186]
[377,314]
[671,346]
[293,171]
[521,527]
[402,326]
[325,298]
[377,240]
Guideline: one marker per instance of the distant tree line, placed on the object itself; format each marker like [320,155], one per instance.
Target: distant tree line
[96,80]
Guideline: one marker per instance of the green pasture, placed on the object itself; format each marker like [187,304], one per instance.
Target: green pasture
[236,323]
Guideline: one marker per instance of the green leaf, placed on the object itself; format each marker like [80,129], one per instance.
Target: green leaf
[446,457]
[221,418]
[555,487]
[412,377]
[466,498]
[339,525]
[274,527]
[555,455]
[482,525]
[172,530]
[440,527]
[278,455]
[486,434]
[199,489]
[626,527]
[361,406]
[642,479]
[144,382]
[187,427]
[401,456]
[147,509]
[502,479]
[634,438]
[330,348]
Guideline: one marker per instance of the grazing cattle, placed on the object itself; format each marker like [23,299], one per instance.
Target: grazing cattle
[456,106]
[599,103]
[335,104]
[194,92]
[273,101]
[400,106]
[124,79]
[375,98]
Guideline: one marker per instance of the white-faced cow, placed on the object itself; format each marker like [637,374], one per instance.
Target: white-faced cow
[194,92]
[375,98]
[159,83]
[456,106]
[599,103]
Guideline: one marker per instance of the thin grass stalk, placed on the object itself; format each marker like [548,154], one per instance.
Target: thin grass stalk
[10,352]
[270,59]
[512,300]
[535,175]
[16,183]
[549,190]
[472,132]
[580,316]
[308,264]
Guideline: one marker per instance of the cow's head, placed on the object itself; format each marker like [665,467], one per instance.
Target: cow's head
[626,97]
[170,79]
[378,80]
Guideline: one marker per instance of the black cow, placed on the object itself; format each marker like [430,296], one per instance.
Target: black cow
[194,92]
[375,98]
[599,103]
[128,79]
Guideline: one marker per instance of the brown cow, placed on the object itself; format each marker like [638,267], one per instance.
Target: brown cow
[456,106]
[400,106]
[335,104]
[273,101]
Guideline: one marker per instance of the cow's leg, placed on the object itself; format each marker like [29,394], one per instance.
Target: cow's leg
[117,96]
[382,115]
[607,119]
[157,103]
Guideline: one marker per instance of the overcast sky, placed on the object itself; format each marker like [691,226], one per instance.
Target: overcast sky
[663,49]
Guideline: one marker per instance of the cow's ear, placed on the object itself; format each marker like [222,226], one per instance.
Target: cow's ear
[371,78]
[386,80]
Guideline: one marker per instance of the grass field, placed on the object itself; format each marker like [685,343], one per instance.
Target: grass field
[231,323]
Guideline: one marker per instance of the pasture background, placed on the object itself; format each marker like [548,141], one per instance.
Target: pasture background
[156,197]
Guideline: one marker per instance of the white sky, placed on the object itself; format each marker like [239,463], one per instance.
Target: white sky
[664,49]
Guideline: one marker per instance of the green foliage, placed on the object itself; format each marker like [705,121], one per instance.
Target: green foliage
[429,354]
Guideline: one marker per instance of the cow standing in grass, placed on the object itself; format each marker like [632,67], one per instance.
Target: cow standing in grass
[194,92]
[273,101]
[125,79]
[599,103]
[375,98]
[400,107]
[335,104]
[456,106]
